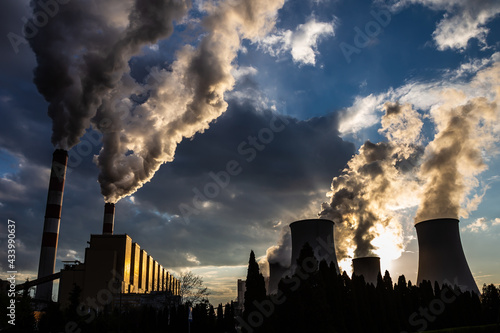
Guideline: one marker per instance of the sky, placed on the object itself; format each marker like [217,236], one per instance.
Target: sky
[214,125]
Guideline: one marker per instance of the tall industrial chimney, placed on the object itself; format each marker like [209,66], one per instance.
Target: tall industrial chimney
[319,234]
[368,267]
[109,218]
[53,210]
[441,257]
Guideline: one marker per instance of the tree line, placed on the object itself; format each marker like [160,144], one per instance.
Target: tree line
[318,299]
[314,299]
[173,317]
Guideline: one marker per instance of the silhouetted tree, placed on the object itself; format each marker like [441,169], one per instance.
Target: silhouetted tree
[74,301]
[52,320]
[229,314]
[220,318]
[25,318]
[193,291]
[212,320]
[491,303]
[255,286]
[387,281]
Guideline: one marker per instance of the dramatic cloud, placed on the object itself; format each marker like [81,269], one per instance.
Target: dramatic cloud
[365,110]
[481,224]
[15,186]
[301,43]
[360,115]
[463,20]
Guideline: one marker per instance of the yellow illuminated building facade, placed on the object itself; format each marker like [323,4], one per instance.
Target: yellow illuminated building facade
[115,267]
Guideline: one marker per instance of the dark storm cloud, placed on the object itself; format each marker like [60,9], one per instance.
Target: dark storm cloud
[279,183]
[11,25]
[24,125]
[301,156]
[23,199]
[24,114]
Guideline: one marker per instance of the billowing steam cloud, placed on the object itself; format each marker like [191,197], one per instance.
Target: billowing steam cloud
[466,128]
[83,53]
[281,252]
[83,72]
[385,177]
[182,100]
[377,181]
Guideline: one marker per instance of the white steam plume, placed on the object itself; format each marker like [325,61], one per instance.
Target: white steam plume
[387,176]
[282,252]
[182,100]
[467,130]
[377,181]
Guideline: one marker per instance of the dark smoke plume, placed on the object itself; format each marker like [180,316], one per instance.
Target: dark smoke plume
[83,52]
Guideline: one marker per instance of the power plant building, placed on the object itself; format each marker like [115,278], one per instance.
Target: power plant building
[115,266]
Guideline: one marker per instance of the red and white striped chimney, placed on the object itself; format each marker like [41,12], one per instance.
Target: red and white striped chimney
[109,218]
[53,210]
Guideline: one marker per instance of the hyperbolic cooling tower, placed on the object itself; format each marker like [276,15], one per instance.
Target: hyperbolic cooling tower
[441,257]
[109,219]
[369,267]
[51,224]
[319,234]
[276,272]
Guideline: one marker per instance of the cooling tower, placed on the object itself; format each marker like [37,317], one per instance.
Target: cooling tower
[109,219]
[276,272]
[369,267]
[53,210]
[319,234]
[441,257]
